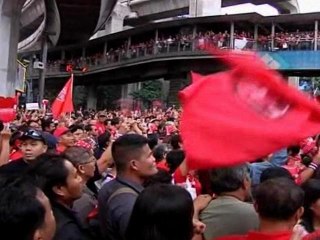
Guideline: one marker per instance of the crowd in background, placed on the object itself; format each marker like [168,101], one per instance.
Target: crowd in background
[299,40]
[123,175]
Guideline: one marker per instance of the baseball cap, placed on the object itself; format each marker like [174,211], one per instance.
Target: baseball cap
[33,134]
[61,131]
[50,139]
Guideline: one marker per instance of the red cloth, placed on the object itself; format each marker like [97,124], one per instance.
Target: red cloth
[63,103]
[15,155]
[259,236]
[83,144]
[101,128]
[163,165]
[243,114]
[195,183]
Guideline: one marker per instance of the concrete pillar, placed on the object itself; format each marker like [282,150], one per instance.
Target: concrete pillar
[92,97]
[105,48]
[232,35]
[42,79]
[256,36]
[156,39]
[63,55]
[124,91]
[10,11]
[316,32]
[273,34]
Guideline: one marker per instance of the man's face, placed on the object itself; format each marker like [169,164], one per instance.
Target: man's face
[102,118]
[94,131]
[52,127]
[78,135]
[67,139]
[146,163]
[32,148]
[73,188]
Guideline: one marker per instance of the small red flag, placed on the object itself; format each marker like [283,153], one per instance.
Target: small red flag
[63,103]
[242,114]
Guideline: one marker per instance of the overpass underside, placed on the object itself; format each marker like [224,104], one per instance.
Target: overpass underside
[148,10]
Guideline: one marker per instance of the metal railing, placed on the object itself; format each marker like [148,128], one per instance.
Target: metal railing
[165,49]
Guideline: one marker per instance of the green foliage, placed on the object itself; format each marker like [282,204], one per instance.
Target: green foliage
[150,91]
[107,95]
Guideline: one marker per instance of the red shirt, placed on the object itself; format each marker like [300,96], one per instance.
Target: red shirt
[163,165]
[252,235]
[15,155]
[179,178]
[101,128]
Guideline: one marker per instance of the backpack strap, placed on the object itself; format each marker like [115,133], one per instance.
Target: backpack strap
[120,191]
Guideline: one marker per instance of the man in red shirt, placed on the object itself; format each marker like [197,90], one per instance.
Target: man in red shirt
[101,127]
[279,203]
[65,138]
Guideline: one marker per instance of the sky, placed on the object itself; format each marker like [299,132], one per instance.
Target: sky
[305,6]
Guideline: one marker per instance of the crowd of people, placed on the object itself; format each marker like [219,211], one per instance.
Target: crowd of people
[187,42]
[122,175]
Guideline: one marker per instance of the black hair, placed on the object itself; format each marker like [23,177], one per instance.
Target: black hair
[1,126]
[45,123]
[275,172]
[125,148]
[293,150]
[228,179]
[103,139]
[74,128]
[161,177]
[88,127]
[21,213]
[153,140]
[175,140]
[311,190]
[174,158]
[278,199]
[48,171]
[115,121]
[159,152]
[162,212]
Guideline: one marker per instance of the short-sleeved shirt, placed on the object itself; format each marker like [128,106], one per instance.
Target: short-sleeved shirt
[227,215]
[114,214]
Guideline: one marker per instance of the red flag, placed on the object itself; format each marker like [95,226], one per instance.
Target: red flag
[63,103]
[242,114]
[7,111]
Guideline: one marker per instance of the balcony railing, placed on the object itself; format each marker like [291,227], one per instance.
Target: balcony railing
[165,49]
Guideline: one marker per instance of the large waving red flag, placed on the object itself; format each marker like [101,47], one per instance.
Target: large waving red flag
[63,103]
[242,114]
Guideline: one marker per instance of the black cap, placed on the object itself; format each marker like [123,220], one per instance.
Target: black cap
[33,134]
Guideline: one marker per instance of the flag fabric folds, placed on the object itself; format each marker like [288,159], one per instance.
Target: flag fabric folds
[63,103]
[242,114]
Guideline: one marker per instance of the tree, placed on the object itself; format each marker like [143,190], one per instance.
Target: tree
[149,91]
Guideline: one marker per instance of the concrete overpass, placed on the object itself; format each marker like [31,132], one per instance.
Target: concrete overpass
[147,10]
[59,22]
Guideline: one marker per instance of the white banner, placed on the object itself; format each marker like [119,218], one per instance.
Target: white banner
[240,43]
[32,106]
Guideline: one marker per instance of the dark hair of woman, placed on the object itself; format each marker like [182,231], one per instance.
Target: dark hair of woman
[312,194]
[162,212]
